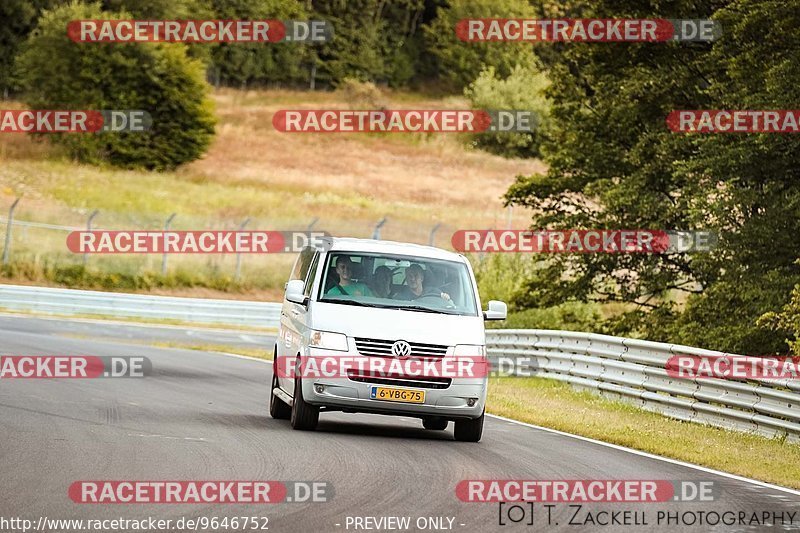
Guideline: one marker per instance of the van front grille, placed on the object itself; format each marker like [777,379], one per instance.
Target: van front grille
[383,348]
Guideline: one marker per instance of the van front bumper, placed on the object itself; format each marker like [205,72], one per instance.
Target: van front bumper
[452,402]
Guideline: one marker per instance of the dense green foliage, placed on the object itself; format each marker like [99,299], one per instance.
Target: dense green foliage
[17,20]
[613,164]
[374,40]
[524,90]
[458,62]
[240,64]
[56,73]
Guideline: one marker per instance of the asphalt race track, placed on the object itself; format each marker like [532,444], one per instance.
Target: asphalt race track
[203,416]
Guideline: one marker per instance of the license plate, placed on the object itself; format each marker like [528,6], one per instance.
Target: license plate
[390,394]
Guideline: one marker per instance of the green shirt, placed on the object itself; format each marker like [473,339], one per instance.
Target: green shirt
[350,290]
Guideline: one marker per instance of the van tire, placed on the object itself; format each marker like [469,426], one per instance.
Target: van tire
[469,430]
[278,409]
[304,416]
[436,424]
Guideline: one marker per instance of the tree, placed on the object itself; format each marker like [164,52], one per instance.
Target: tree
[374,40]
[613,164]
[260,63]
[56,73]
[458,62]
[19,18]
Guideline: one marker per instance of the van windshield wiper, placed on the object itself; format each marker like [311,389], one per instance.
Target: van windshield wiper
[423,309]
[349,302]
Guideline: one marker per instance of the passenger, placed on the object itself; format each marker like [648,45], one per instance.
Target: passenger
[346,285]
[382,282]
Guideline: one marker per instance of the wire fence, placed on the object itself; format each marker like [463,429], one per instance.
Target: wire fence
[36,238]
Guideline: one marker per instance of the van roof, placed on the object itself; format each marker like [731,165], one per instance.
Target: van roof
[349,244]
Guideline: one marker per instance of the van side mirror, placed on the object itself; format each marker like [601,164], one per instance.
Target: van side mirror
[294,292]
[497,311]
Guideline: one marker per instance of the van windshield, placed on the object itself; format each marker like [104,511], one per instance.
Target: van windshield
[398,282]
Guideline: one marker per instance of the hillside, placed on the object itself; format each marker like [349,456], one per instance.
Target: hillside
[279,180]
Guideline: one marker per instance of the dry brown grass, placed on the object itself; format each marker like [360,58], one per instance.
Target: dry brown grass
[411,170]
[410,177]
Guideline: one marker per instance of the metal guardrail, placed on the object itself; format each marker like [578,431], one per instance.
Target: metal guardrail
[76,302]
[635,371]
[629,369]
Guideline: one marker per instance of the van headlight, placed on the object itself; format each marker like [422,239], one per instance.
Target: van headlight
[470,350]
[327,340]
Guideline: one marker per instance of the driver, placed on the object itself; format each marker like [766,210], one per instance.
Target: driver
[346,285]
[413,288]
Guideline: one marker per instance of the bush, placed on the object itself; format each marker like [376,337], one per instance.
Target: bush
[56,73]
[522,90]
[500,276]
[786,322]
[726,316]
[362,94]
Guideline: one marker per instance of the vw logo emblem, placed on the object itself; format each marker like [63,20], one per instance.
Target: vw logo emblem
[401,349]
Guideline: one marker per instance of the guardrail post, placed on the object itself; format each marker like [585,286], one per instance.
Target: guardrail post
[376,233]
[164,257]
[9,223]
[433,233]
[239,254]
[89,228]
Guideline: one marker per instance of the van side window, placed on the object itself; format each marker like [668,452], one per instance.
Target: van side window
[302,264]
[312,273]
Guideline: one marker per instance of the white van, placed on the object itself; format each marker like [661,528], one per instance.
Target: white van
[381,299]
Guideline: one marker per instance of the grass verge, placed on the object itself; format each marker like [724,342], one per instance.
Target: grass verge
[238,350]
[556,405]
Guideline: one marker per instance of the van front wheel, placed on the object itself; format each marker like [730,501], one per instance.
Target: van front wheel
[277,408]
[304,415]
[469,430]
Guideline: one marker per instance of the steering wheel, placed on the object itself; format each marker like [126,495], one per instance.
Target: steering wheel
[436,298]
